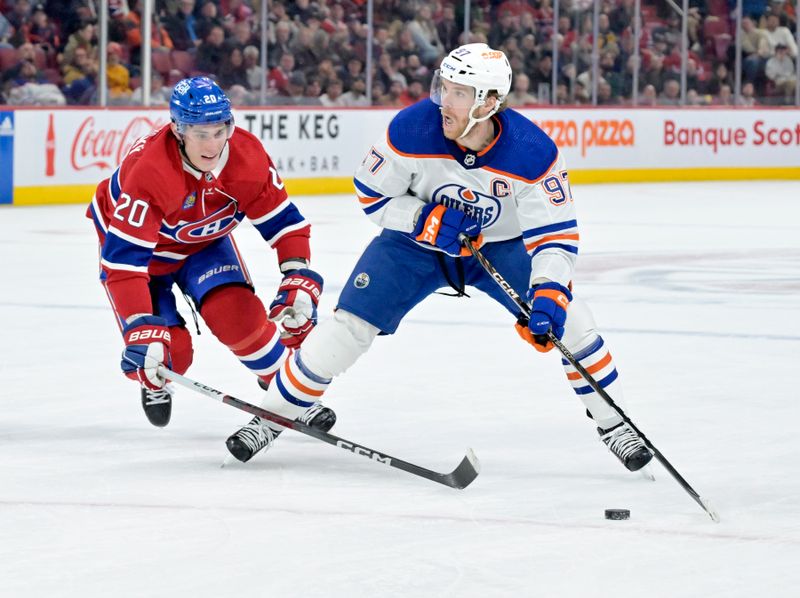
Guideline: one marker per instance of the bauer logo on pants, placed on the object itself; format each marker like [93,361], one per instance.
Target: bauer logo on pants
[361,281]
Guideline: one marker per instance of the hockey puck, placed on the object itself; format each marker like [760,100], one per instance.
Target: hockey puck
[618,514]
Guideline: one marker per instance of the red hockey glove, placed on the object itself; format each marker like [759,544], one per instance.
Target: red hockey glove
[295,305]
[147,342]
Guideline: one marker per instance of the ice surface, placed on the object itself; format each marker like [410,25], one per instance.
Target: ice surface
[696,287]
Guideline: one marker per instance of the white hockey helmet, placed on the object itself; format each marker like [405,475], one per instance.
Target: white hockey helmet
[477,66]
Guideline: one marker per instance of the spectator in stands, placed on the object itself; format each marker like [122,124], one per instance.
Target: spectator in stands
[282,43]
[296,90]
[159,36]
[117,75]
[242,33]
[182,27]
[447,29]
[25,53]
[79,77]
[724,97]
[781,71]
[543,73]
[378,92]
[332,97]
[748,95]
[208,18]
[655,74]
[278,79]
[520,95]
[255,74]
[502,29]
[778,34]
[392,95]
[159,93]
[426,36]
[211,53]
[671,94]
[314,90]
[755,50]
[42,31]
[20,15]
[388,72]
[356,95]
[622,17]
[721,76]
[234,70]
[413,93]
[240,10]
[605,93]
[648,96]
[6,30]
[82,38]
[302,47]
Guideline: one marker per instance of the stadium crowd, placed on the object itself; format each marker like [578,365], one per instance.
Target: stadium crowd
[317,50]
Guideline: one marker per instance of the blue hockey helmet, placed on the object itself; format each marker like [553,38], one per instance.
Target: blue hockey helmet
[199,101]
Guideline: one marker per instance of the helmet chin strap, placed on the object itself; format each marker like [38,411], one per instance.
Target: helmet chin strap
[474,121]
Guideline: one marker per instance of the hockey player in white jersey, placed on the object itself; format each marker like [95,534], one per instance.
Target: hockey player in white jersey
[459,163]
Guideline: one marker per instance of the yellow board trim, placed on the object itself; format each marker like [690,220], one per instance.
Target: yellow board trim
[71,194]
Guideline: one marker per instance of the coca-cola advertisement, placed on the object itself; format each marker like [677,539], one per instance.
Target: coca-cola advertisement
[78,147]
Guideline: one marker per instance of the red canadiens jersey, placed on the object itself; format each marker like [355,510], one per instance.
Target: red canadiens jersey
[155,211]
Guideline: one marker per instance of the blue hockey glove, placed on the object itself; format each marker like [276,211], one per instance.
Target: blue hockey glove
[295,305]
[440,226]
[548,312]
[147,341]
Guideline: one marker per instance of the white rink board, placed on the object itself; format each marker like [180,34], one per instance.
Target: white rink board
[310,144]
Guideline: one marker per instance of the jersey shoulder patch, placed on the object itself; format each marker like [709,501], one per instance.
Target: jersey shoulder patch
[417,131]
[526,151]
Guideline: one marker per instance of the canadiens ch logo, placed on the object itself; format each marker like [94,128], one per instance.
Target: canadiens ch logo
[480,206]
[361,281]
[216,225]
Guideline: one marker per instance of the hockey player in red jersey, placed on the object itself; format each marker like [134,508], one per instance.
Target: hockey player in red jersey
[164,219]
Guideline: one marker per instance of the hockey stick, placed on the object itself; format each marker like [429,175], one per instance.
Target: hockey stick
[526,312]
[461,477]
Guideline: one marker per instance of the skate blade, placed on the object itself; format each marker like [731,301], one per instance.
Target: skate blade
[647,473]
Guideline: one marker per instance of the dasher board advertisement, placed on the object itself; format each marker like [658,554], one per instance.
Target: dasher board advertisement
[61,154]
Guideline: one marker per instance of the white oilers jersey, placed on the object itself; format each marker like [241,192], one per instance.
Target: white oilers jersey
[517,186]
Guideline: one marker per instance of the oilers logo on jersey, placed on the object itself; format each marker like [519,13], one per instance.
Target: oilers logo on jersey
[480,206]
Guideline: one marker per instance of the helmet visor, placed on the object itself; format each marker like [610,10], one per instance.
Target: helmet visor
[447,94]
[201,133]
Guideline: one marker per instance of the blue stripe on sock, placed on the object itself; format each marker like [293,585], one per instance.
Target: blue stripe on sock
[584,353]
[286,395]
[267,360]
[585,390]
[308,373]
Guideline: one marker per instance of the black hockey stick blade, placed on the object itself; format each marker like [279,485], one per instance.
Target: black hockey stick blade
[461,477]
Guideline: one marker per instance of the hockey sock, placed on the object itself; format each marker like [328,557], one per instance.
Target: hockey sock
[299,387]
[597,360]
[238,319]
[181,349]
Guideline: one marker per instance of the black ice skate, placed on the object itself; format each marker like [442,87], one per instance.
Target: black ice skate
[626,445]
[157,405]
[260,434]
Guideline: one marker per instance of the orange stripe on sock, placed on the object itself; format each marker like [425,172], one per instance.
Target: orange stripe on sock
[592,369]
[298,385]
